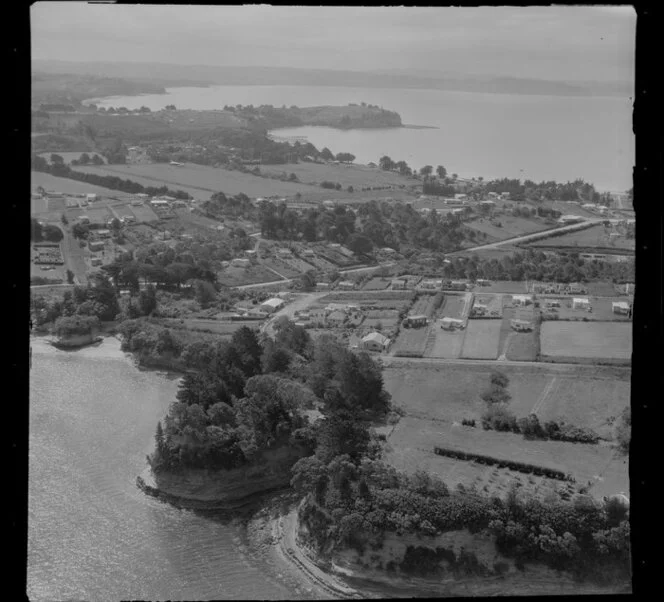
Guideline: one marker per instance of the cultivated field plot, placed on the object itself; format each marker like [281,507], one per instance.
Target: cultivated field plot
[385,318]
[482,339]
[321,263]
[98,215]
[446,344]
[238,276]
[595,236]
[280,266]
[602,310]
[523,346]
[300,265]
[453,306]
[143,213]
[376,284]
[411,342]
[67,186]
[503,286]
[586,340]
[603,289]
[510,226]
[198,180]
[424,305]
[413,437]
[53,272]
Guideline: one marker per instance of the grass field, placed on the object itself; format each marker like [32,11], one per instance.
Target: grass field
[376,284]
[143,213]
[201,181]
[447,344]
[482,339]
[217,327]
[238,276]
[510,226]
[602,310]
[411,342]
[601,340]
[453,306]
[523,346]
[503,286]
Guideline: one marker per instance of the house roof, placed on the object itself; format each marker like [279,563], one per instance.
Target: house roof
[375,337]
[417,317]
[622,304]
[274,302]
[580,300]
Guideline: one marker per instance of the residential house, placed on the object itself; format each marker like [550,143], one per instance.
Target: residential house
[451,323]
[569,219]
[272,305]
[488,204]
[431,285]
[346,285]
[620,307]
[336,318]
[398,284]
[581,303]
[240,262]
[483,282]
[375,341]
[95,261]
[415,321]
[284,252]
[308,253]
[103,233]
[96,245]
[523,320]
[551,303]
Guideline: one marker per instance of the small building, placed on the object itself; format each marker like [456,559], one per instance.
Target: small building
[328,204]
[431,285]
[522,300]
[620,307]
[505,196]
[551,303]
[91,197]
[272,305]
[580,303]
[459,211]
[95,261]
[375,341]
[96,245]
[346,285]
[523,320]
[388,250]
[283,252]
[84,219]
[451,323]
[488,204]
[590,206]
[415,321]
[492,195]
[159,203]
[308,253]
[399,284]
[479,309]
[569,219]
[460,196]
[483,282]
[240,262]
[103,233]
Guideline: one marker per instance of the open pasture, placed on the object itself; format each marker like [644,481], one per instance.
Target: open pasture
[411,342]
[255,274]
[509,226]
[67,186]
[587,340]
[201,181]
[143,213]
[423,305]
[595,236]
[482,339]
[446,344]
[602,310]
[523,346]
[376,284]
[453,306]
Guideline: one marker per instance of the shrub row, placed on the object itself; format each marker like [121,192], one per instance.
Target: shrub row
[511,464]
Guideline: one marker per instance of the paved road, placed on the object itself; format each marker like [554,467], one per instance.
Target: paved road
[534,235]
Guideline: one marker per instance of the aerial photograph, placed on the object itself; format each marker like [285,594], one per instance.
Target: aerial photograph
[330,302]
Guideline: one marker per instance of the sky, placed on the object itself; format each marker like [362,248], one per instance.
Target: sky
[566,43]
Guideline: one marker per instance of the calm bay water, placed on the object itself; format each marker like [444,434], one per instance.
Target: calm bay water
[488,135]
[91,533]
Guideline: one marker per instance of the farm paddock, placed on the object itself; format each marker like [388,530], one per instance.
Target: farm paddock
[482,339]
[599,341]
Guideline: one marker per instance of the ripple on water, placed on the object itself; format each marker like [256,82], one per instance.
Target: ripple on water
[91,533]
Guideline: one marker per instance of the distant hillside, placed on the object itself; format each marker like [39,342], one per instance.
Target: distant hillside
[209,74]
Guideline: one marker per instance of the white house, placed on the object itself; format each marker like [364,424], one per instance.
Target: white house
[415,321]
[580,303]
[398,284]
[159,203]
[240,262]
[487,203]
[451,323]
[620,307]
[337,317]
[272,305]
[569,219]
[431,284]
[96,245]
[375,342]
[346,285]
[521,300]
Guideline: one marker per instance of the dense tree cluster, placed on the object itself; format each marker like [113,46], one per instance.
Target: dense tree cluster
[536,265]
[46,232]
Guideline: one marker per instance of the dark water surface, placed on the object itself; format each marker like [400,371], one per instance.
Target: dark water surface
[91,533]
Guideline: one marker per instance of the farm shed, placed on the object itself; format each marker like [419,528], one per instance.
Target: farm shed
[620,307]
[337,317]
[580,303]
[415,321]
[272,305]
[346,285]
[451,323]
[96,245]
[240,262]
[398,284]
[375,342]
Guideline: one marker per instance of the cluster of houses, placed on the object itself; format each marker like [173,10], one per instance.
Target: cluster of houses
[48,254]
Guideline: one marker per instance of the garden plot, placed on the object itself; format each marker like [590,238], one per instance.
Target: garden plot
[482,339]
[586,340]
[523,346]
[503,286]
[281,267]
[454,306]
[377,284]
[411,342]
[232,276]
[143,213]
[377,299]
[386,319]
[412,442]
[298,264]
[447,344]
[99,215]
[424,305]
[321,263]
